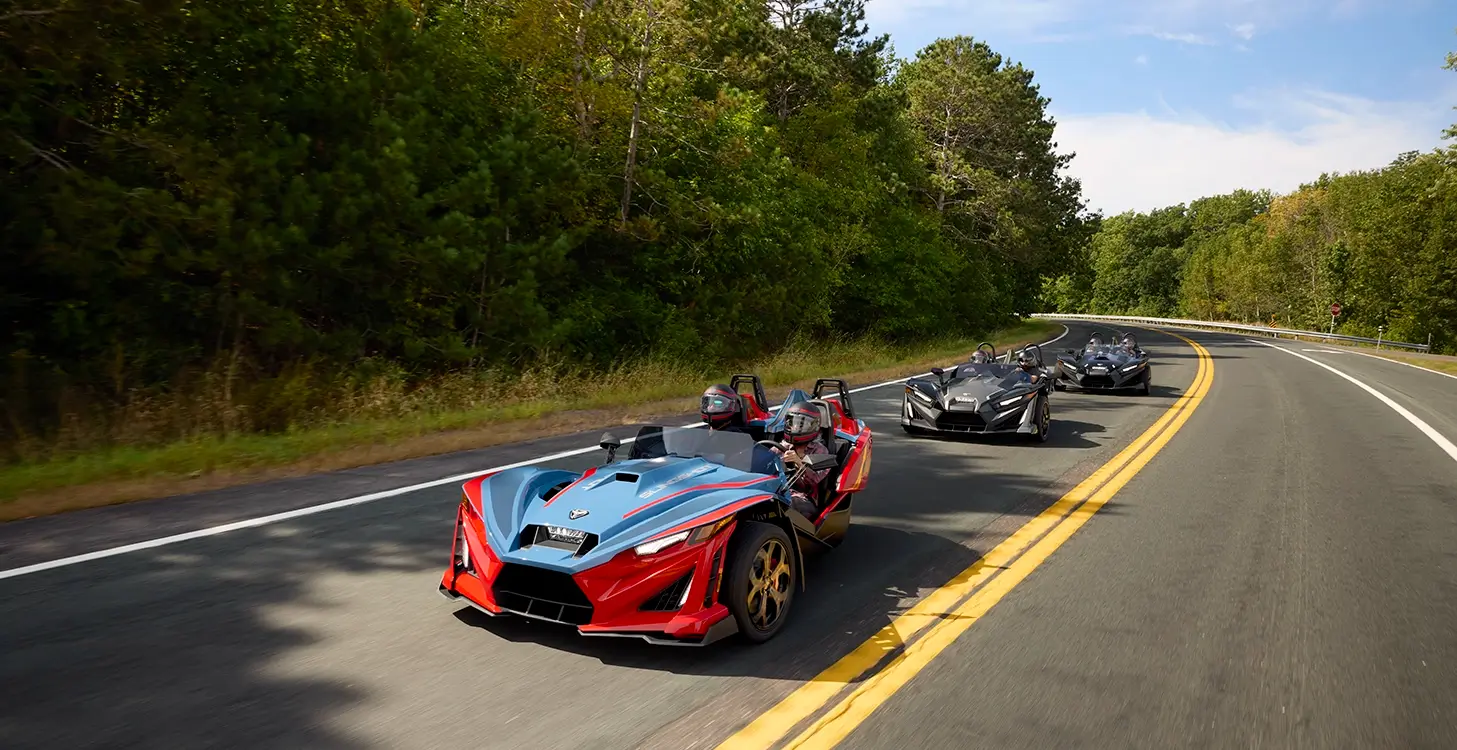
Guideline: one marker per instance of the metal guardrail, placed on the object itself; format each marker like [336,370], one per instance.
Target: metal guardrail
[1242,327]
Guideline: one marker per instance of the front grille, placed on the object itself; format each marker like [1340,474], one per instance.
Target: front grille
[1097,381]
[711,590]
[542,593]
[667,599]
[960,420]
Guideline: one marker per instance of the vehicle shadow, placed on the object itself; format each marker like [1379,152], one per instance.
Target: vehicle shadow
[853,593]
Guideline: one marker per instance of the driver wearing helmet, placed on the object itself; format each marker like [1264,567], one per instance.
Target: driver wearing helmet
[980,357]
[1094,342]
[801,430]
[1027,364]
[721,409]
[1129,344]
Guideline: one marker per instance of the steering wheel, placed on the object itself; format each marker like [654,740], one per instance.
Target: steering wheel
[770,444]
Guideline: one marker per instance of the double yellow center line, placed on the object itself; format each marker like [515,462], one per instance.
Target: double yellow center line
[950,610]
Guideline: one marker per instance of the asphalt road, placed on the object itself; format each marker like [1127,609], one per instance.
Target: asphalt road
[1282,574]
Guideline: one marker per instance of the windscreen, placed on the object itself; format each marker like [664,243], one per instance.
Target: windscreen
[990,372]
[735,450]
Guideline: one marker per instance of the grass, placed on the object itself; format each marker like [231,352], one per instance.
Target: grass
[389,422]
[1441,365]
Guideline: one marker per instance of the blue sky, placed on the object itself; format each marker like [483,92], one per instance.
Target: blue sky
[1168,100]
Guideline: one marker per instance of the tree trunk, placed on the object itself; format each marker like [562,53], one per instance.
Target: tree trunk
[635,132]
[579,72]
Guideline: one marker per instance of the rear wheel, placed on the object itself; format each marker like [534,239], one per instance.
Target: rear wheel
[1144,388]
[761,581]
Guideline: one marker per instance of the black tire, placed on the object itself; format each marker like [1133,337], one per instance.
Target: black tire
[1145,388]
[913,430]
[747,582]
[1043,420]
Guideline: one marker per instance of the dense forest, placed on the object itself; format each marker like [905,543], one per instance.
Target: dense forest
[1382,243]
[242,189]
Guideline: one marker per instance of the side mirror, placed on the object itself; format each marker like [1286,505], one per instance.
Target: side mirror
[821,461]
[938,372]
[609,444]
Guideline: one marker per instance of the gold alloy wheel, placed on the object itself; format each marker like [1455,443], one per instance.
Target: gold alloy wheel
[770,579]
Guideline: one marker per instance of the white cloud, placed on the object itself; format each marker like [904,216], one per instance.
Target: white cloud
[1141,161]
[1141,59]
[1245,31]
[1185,37]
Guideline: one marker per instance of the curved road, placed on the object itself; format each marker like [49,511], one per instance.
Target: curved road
[1281,573]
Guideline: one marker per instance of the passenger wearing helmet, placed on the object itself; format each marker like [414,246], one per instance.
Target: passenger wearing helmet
[721,409]
[980,357]
[1129,344]
[802,431]
[1094,343]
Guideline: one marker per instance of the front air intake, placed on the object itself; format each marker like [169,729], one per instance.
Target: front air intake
[545,594]
[670,599]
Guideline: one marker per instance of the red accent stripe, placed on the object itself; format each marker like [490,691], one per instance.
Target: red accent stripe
[712,516]
[700,488]
[585,474]
[829,508]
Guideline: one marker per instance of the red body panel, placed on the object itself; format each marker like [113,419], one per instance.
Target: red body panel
[475,587]
[619,587]
[857,466]
[842,423]
[753,410]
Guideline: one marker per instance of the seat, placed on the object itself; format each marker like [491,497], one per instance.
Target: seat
[827,422]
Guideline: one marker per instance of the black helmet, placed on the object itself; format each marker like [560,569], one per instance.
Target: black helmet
[801,422]
[1027,360]
[1096,340]
[1129,342]
[980,357]
[718,406]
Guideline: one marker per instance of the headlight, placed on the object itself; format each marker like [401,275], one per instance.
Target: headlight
[658,545]
[918,393]
[1133,367]
[689,537]
[1015,399]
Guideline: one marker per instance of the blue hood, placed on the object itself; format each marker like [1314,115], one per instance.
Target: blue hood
[625,503]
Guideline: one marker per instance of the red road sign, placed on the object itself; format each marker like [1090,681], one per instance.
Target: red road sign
[1335,309]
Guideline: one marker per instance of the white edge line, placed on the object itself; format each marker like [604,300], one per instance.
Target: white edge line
[1437,437]
[346,502]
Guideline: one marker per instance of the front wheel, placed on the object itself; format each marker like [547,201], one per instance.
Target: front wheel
[761,581]
[1145,387]
[1042,420]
